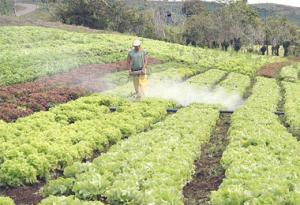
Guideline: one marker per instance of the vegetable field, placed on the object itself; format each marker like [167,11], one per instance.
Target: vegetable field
[62,143]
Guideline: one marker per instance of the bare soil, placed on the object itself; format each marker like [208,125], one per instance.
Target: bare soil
[272,70]
[89,77]
[25,8]
[24,195]
[21,100]
[209,171]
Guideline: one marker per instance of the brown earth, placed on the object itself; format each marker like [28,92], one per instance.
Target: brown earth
[21,100]
[89,77]
[272,70]
[209,172]
[24,195]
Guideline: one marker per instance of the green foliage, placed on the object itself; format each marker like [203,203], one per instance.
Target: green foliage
[17,172]
[236,82]
[151,167]
[34,146]
[6,7]
[71,200]
[292,106]
[204,27]
[100,14]
[76,168]
[6,201]
[208,79]
[44,51]
[261,153]
[290,73]
[58,187]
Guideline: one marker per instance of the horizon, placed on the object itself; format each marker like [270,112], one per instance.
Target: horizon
[292,3]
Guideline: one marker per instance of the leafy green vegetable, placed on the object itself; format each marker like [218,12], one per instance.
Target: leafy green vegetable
[6,201]
[33,52]
[292,106]
[150,167]
[261,160]
[71,200]
[35,146]
[290,73]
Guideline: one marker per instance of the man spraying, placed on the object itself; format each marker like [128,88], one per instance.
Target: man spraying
[137,65]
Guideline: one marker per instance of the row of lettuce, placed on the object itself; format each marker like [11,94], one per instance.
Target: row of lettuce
[36,146]
[261,160]
[292,106]
[148,168]
[32,52]
[290,73]
[151,167]
[291,91]
[49,141]
[84,125]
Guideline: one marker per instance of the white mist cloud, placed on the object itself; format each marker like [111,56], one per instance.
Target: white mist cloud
[185,94]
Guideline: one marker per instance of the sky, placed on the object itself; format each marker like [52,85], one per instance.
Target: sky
[284,2]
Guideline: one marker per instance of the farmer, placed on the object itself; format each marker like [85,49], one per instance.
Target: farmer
[137,65]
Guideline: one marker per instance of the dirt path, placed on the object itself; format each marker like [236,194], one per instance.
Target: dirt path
[272,70]
[209,171]
[26,9]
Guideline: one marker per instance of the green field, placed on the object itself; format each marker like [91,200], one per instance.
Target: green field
[32,52]
[140,154]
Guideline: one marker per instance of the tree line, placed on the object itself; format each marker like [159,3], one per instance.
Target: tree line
[229,24]
[6,7]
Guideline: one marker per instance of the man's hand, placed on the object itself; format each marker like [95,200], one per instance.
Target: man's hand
[129,72]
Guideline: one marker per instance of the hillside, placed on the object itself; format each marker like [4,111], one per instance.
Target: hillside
[292,13]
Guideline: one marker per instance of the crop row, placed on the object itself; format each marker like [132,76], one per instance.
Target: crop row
[236,83]
[6,201]
[35,146]
[148,168]
[292,106]
[290,73]
[207,79]
[261,160]
[32,52]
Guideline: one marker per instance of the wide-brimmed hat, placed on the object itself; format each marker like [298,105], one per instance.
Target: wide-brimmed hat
[137,42]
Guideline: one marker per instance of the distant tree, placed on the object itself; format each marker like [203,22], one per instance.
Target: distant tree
[101,14]
[192,7]
[232,20]
[225,45]
[263,49]
[6,7]
[281,30]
